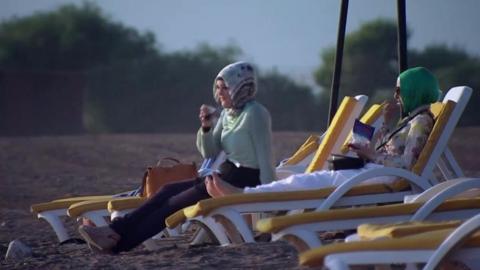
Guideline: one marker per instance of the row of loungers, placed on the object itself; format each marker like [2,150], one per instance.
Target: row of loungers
[222,218]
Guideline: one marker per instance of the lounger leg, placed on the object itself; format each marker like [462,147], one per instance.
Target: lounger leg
[302,239]
[335,264]
[53,218]
[453,163]
[457,236]
[184,227]
[172,232]
[211,226]
[411,259]
[200,237]
[235,224]
[150,244]
[165,233]
[97,217]
[444,168]
[177,231]
[117,214]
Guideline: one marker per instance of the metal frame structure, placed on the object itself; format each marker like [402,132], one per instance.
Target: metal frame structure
[342,23]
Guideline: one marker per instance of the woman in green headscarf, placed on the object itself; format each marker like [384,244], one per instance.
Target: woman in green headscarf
[418,87]
[402,141]
[398,142]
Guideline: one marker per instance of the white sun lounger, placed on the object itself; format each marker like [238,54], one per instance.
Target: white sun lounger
[428,248]
[223,216]
[301,230]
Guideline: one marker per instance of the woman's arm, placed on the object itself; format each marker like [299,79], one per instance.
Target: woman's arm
[208,140]
[261,133]
[390,118]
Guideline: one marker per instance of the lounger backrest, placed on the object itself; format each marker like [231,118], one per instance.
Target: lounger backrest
[371,117]
[337,132]
[436,108]
[454,104]
[307,148]
[442,114]
[447,116]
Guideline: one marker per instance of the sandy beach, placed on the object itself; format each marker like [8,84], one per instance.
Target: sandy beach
[39,169]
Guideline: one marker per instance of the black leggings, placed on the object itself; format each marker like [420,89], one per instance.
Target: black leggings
[149,219]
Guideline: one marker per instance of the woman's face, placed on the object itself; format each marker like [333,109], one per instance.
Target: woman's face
[396,96]
[223,95]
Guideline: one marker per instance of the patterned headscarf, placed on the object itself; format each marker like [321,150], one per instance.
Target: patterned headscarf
[418,86]
[241,81]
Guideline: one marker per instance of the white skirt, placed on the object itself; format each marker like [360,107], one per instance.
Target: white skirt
[319,179]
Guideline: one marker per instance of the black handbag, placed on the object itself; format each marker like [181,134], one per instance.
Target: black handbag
[341,162]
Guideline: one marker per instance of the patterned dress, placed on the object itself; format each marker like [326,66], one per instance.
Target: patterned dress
[404,147]
[399,147]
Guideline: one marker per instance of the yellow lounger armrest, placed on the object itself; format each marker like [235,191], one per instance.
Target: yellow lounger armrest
[177,218]
[206,206]
[83,198]
[125,203]
[302,153]
[275,224]
[63,203]
[422,241]
[75,210]
[375,231]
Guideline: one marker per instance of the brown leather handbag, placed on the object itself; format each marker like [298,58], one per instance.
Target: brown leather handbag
[163,173]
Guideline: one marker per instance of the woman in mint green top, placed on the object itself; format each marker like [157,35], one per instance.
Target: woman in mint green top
[246,140]
[243,132]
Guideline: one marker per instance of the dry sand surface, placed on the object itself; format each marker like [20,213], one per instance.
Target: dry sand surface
[38,169]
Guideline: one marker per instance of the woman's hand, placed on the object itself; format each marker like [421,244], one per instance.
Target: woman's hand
[205,115]
[363,151]
[391,112]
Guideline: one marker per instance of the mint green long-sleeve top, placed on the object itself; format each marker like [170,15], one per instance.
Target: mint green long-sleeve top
[246,140]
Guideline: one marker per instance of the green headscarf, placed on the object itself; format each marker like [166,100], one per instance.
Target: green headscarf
[418,86]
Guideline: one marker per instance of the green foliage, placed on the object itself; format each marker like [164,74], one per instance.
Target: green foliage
[70,38]
[130,85]
[164,95]
[155,94]
[453,67]
[370,66]
[368,60]
[293,106]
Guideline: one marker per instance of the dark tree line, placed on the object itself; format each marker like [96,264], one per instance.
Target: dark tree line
[131,85]
[370,66]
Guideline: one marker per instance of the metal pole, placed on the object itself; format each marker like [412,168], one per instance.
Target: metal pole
[338,60]
[402,36]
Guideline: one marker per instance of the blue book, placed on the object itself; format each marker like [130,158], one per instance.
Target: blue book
[363,130]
